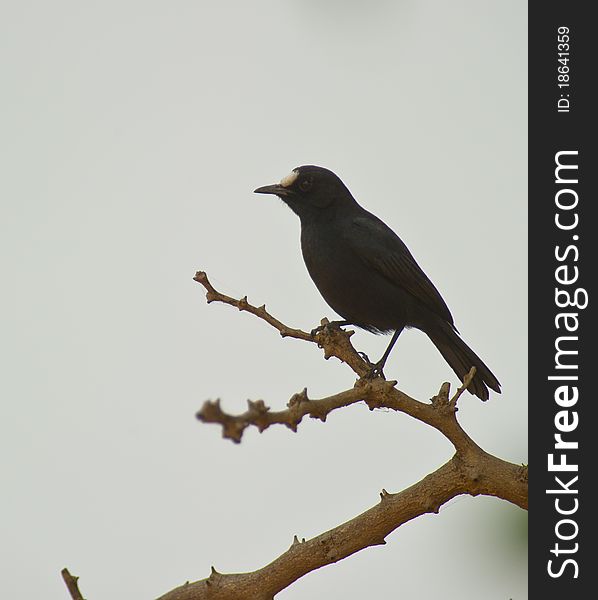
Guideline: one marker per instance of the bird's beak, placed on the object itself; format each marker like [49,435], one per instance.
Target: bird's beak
[276,189]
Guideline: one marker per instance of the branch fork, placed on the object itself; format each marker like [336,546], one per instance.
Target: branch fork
[471,470]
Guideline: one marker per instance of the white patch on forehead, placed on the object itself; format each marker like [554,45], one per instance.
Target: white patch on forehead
[288,180]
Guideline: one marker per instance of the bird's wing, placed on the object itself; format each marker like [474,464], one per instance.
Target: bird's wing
[381,249]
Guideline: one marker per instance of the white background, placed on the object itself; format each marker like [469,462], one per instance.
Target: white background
[131,136]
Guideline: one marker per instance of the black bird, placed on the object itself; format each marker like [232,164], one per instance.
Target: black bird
[367,274]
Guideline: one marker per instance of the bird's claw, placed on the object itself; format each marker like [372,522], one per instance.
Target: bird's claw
[375,370]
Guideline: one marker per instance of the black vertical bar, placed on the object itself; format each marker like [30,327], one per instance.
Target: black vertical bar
[562,266]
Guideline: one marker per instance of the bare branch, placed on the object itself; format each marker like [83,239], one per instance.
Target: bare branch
[376,393]
[470,471]
[333,340]
[243,305]
[72,585]
[259,415]
[368,529]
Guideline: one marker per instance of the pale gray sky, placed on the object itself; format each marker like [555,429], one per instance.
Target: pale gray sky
[131,137]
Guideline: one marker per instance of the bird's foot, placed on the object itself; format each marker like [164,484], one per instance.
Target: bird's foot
[375,370]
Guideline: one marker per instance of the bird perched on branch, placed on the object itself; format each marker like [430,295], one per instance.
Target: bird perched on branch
[367,274]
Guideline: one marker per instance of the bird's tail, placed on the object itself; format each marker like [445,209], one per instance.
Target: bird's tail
[461,358]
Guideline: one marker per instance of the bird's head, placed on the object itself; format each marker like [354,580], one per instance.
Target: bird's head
[309,190]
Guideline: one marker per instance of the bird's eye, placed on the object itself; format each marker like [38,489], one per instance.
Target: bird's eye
[305,185]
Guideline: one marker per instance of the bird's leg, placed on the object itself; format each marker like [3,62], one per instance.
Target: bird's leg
[330,324]
[377,369]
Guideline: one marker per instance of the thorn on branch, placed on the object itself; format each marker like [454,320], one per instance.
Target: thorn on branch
[384,495]
[380,542]
[297,542]
[442,398]
[432,507]
[319,413]
[298,398]
[256,413]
